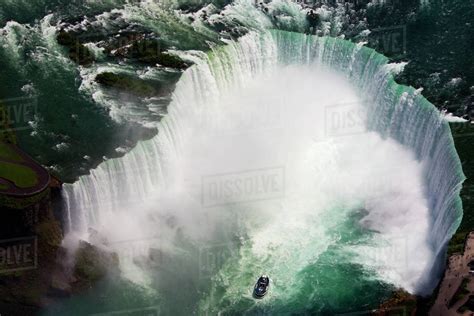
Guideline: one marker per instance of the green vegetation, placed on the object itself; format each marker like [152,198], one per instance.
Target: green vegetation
[49,234]
[468,306]
[22,202]
[463,135]
[6,133]
[76,51]
[129,84]
[441,26]
[456,245]
[30,287]
[22,176]
[6,152]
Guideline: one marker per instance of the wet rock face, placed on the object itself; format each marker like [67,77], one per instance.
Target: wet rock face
[29,262]
[135,86]
[92,265]
[164,59]
[144,48]
[77,52]
[130,43]
[36,271]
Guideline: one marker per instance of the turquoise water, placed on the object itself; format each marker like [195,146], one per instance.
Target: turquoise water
[331,285]
[65,125]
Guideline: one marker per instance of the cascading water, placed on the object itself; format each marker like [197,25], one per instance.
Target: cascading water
[30,53]
[361,170]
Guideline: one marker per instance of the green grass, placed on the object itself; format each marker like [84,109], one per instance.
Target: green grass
[22,176]
[6,152]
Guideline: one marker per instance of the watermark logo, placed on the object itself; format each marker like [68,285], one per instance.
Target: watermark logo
[146,311]
[241,187]
[213,257]
[144,252]
[344,119]
[253,113]
[16,114]
[151,253]
[18,254]
[392,255]
[389,40]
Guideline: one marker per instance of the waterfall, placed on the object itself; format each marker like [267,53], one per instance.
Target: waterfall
[394,112]
[399,112]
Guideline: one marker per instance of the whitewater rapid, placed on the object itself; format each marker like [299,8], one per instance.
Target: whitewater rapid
[285,154]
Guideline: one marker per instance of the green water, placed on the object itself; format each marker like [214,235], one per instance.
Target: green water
[330,285]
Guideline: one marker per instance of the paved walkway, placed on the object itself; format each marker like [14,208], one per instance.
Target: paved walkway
[456,271]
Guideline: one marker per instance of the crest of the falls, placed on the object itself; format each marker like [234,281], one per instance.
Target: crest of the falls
[350,174]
